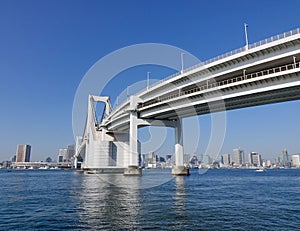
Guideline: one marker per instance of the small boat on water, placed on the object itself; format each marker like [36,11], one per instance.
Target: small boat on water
[260,170]
[44,168]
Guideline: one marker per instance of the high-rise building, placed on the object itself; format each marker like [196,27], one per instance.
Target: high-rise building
[238,156]
[62,155]
[169,160]
[152,158]
[186,158]
[255,159]
[268,163]
[285,157]
[14,158]
[168,157]
[194,160]
[207,160]
[296,161]
[23,153]
[70,151]
[226,159]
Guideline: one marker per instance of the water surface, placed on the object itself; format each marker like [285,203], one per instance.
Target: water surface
[217,200]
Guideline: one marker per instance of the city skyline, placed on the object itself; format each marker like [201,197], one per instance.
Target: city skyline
[48,56]
[65,154]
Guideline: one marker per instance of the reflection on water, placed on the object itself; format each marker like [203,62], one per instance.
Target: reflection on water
[151,178]
[218,200]
[105,205]
[180,195]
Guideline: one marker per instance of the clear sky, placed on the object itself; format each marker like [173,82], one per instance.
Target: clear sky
[46,47]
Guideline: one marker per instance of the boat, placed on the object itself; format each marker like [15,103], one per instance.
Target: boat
[44,168]
[54,168]
[260,170]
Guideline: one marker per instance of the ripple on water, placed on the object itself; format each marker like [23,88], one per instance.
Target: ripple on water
[216,200]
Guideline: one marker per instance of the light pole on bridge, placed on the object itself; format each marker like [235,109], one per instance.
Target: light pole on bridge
[182,62]
[246,35]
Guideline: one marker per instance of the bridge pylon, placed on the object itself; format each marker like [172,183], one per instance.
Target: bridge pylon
[179,169]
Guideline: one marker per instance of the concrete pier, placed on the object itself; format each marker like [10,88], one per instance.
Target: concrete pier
[180,171]
[133,171]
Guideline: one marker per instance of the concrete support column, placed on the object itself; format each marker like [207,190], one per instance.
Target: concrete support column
[75,162]
[133,140]
[179,169]
[133,168]
[178,143]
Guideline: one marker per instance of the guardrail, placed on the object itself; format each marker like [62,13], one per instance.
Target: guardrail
[228,54]
[207,85]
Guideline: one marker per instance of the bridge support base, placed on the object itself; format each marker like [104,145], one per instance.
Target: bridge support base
[133,171]
[180,171]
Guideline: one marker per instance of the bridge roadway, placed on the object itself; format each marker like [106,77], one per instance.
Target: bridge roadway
[269,68]
[262,73]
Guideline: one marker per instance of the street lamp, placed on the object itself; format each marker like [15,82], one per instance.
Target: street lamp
[246,35]
[182,62]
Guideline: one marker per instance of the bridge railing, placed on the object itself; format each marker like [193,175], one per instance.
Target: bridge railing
[220,57]
[275,38]
[236,51]
[207,86]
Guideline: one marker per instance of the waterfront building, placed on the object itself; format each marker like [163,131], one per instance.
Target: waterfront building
[70,151]
[168,157]
[286,162]
[152,158]
[186,158]
[285,158]
[296,161]
[170,161]
[23,153]
[194,160]
[161,159]
[277,161]
[14,158]
[238,156]
[143,160]
[255,159]
[226,159]
[6,164]
[268,163]
[206,160]
[62,155]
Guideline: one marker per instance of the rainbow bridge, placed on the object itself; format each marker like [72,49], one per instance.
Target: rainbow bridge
[261,73]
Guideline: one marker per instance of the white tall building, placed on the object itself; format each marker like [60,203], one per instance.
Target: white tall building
[226,159]
[238,156]
[23,153]
[62,155]
[70,151]
[285,158]
[296,161]
[255,159]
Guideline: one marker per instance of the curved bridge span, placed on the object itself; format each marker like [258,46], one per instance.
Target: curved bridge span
[262,73]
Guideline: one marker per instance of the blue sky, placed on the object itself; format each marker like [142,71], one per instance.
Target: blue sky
[46,47]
